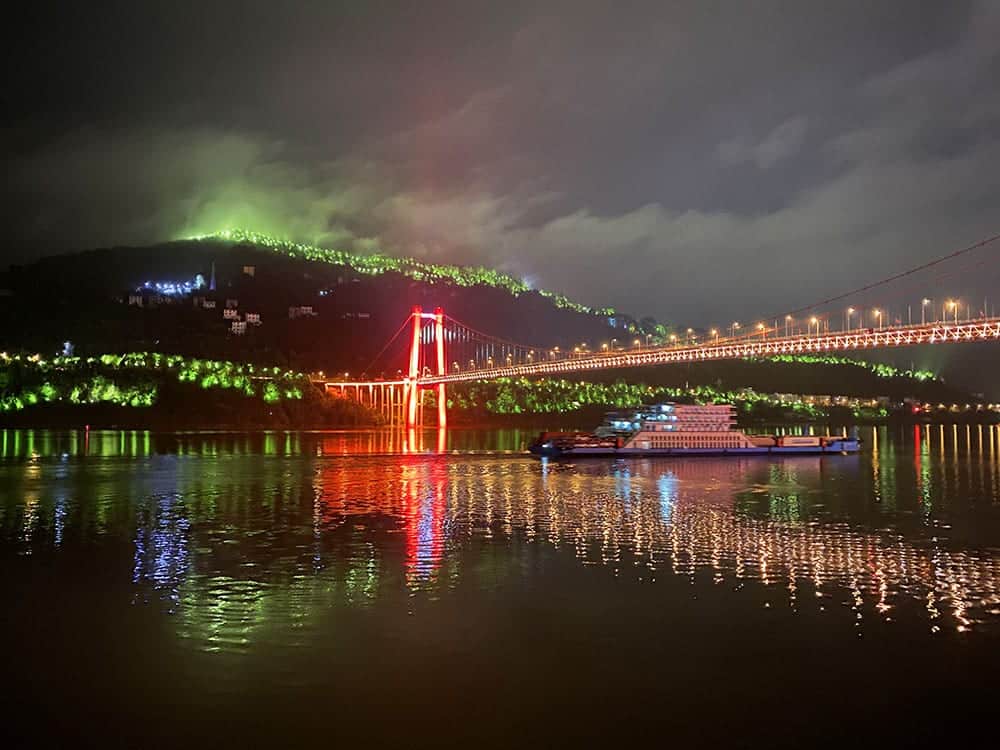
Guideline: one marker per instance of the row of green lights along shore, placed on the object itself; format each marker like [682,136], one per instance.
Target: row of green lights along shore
[507,396]
[27,380]
[377,263]
[877,368]
[557,396]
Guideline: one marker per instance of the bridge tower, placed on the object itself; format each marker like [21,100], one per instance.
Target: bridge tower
[412,390]
[439,346]
[412,384]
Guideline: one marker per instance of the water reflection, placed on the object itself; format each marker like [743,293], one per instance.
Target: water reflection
[35,444]
[241,549]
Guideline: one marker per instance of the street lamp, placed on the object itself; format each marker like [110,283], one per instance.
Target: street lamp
[813,321]
[604,347]
[673,339]
[715,334]
[763,330]
[637,343]
[847,318]
[953,305]
[788,320]
[923,310]
[878,314]
[734,328]
[689,332]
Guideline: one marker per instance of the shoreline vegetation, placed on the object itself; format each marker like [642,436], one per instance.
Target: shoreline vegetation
[159,391]
[152,390]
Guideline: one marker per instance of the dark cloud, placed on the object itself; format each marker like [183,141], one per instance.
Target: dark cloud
[696,162]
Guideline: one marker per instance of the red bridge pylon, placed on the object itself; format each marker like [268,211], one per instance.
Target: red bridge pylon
[412,385]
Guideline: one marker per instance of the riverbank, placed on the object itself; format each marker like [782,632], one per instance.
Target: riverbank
[186,408]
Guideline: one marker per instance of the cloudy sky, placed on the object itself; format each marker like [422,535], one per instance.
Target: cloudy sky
[697,161]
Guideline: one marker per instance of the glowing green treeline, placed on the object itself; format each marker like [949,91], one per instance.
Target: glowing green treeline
[91,380]
[377,263]
[877,368]
[551,396]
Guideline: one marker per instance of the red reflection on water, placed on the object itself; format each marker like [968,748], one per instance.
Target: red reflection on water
[425,507]
[382,442]
[418,504]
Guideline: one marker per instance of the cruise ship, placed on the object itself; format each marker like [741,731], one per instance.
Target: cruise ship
[681,429]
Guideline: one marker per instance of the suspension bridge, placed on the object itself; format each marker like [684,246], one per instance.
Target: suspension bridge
[442,350]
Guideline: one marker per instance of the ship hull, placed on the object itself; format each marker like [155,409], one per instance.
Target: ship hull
[845,446]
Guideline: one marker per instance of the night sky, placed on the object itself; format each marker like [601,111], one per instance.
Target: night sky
[696,161]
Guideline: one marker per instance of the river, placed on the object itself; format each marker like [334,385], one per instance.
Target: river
[220,589]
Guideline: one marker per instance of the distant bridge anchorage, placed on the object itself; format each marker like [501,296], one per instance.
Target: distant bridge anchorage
[443,350]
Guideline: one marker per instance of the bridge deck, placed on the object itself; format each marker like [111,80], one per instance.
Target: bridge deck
[983,329]
[987,329]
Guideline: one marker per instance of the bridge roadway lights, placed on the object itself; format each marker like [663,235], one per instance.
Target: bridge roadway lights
[981,330]
[987,329]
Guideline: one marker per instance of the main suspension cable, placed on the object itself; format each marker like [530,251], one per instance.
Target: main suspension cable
[890,279]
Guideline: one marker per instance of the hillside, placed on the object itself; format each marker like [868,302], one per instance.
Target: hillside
[357,303]
[82,298]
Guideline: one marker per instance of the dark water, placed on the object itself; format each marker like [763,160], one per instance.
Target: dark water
[328,588]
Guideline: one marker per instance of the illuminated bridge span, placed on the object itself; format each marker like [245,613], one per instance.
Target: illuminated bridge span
[400,398]
[443,350]
[979,330]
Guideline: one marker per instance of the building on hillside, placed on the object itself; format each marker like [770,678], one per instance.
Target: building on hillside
[135,300]
[238,327]
[253,318]
[231,313]
[250,271]
[232,303]
[208,304]
[301,311]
